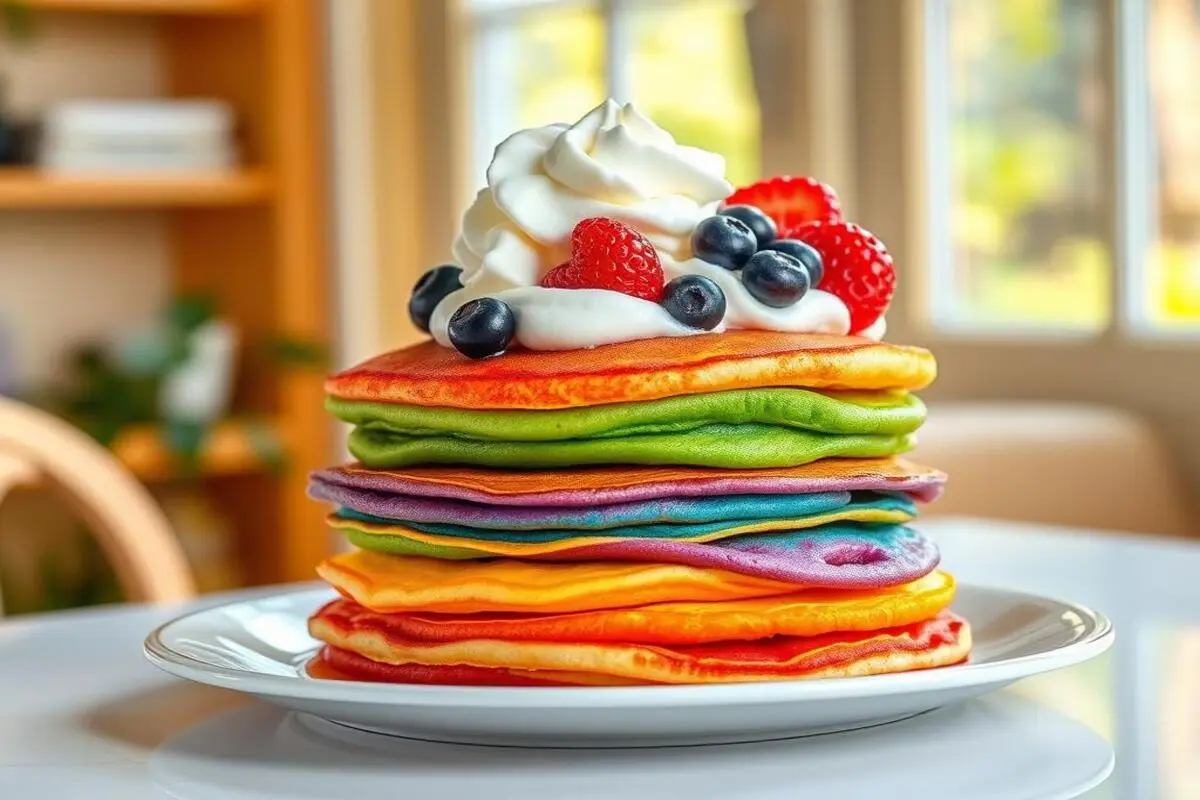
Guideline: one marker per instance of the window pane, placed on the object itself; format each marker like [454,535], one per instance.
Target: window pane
[534,68]
[1172,281]
[1027,115]
[689,71]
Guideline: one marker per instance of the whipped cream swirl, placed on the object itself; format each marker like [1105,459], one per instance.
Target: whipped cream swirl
[612,163]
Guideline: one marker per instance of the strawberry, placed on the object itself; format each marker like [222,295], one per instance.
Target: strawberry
[858,268]
[790,201]
[607,254]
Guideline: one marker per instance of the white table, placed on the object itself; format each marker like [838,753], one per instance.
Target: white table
[82,715]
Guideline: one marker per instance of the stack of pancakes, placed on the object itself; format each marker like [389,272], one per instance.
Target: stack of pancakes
[689,510]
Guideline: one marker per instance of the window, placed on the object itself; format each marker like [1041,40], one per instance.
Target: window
[684,62]
[1063,147]
[1061,137]
[1015,98]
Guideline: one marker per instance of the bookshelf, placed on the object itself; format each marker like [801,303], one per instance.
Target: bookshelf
[31,189]
[254,238]
[172,7]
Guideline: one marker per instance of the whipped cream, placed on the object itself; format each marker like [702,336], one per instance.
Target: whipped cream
[612,163]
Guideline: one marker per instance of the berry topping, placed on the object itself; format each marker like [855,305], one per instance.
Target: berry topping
[805,254]
[482,327]
[695,300]
[775,279]
[762,225]
[607,254]
[725,241]
[858,268]
[790,201]
[430,290]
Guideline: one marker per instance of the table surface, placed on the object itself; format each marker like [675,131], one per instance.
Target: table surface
[83,715]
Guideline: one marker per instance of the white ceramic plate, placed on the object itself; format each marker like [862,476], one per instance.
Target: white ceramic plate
[260,646]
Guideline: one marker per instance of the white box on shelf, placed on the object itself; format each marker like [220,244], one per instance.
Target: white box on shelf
[139,136]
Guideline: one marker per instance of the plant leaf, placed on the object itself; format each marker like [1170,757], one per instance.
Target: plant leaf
[189,311]
[295,352]
[18,20]
[185,440]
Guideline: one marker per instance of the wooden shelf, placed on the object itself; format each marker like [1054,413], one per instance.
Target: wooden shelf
[31,189]
[174,7]
[254,240]
[229,450]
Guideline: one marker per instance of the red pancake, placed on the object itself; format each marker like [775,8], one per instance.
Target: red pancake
[431,375]
[943,640]
[343,665]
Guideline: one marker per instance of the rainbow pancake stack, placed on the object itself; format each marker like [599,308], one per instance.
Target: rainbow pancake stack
[532,505]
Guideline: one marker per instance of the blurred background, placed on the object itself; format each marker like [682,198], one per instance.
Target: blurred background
[205,205]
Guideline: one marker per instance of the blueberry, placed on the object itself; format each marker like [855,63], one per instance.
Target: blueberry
[775,279]
[762,225]
[804,253]
[695,300]
[725,241]
[482,327]
[430,290]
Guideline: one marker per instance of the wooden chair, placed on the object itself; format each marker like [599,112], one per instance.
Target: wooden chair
[1082,466]
[38,448]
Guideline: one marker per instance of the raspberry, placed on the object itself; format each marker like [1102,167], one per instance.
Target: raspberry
[858,268]
[790,201]
[607,254]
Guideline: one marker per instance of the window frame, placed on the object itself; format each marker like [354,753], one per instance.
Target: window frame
[1136,198]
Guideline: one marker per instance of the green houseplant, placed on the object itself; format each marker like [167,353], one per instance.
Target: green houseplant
[17,20]
[107,391]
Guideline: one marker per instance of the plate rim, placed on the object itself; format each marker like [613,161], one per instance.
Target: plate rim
[1091,644]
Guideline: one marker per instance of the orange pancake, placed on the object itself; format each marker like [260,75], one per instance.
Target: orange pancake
[808,613]
[941,641]
[388,583]
[428,374]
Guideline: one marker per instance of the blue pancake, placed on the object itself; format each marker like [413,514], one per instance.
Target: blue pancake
[770,514]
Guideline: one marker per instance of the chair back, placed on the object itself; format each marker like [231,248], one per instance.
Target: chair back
[1070,464]
[39,448]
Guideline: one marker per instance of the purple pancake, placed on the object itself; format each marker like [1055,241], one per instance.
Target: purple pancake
[837,556]
[921,483]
